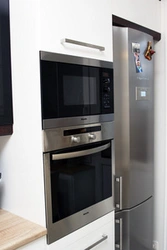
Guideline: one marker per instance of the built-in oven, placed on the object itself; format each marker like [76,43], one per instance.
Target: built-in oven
[78,170]
[75,90]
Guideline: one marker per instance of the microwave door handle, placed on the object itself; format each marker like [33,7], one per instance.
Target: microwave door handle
[80,153]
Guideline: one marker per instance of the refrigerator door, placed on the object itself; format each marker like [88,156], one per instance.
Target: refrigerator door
[134,140]
[134,228]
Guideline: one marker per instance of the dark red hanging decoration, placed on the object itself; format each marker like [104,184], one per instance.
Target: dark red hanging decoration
[149,51]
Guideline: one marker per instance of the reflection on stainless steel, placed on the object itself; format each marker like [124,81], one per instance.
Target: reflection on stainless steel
[93,46]
[104,237]
[80,153]
[134,137]
[137,224]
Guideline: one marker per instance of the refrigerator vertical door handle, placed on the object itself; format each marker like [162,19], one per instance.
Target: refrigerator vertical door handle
[119,180]
[120,244]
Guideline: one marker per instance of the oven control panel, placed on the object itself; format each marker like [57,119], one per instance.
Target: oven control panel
[77,139]
[67,137]
[83,134]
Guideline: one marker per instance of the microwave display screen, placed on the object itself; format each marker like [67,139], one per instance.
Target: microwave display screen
[79,90]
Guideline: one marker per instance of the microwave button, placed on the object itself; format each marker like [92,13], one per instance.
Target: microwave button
[106,80]
[76,139]
[92,136]
[106,89]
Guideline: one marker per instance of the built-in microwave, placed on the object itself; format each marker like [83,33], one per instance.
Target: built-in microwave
[75,90]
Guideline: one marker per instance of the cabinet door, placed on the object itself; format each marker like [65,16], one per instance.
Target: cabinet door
[100,239]
[88,21]
[5,68]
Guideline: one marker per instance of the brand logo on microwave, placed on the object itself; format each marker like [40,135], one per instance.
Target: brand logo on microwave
[83,119]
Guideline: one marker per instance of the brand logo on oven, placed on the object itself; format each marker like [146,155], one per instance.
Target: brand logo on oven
[83,119]
[85,213]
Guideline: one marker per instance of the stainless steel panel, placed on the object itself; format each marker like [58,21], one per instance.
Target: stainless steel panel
[48,56]
[137,227]
[134,130]
[79,120]
[54,139]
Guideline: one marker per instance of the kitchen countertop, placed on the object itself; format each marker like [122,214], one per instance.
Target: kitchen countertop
[16,232]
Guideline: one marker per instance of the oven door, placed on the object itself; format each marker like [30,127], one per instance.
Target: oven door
[78,186]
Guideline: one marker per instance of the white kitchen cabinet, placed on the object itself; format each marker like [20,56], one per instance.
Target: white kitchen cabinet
[88,235]
[88,21]
[105,232]
[82,238]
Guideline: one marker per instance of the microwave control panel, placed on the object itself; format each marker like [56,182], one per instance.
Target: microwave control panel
[107,93]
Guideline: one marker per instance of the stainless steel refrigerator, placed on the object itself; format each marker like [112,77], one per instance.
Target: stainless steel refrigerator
[134,138]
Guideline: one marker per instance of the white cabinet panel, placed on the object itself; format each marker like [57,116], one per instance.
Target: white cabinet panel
[89,21]
[82,238]
[87,235]
[94,237]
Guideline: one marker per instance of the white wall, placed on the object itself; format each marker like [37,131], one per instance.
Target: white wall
[21,153]
[160,144]
[143,12]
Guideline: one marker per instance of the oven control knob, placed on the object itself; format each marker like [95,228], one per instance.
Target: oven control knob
[92,136]
[75,139]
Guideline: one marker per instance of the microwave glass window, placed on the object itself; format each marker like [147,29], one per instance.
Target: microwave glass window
[69,90]
[79,90]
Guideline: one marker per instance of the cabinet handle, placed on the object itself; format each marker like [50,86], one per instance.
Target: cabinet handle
[119,180]
[93,46]
[119,246]
[104,237]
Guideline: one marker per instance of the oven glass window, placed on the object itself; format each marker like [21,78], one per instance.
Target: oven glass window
[80,182]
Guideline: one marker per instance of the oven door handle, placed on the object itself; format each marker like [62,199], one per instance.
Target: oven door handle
[80,153]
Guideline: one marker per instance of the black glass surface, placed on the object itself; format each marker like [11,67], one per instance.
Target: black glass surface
[70,90]
[78,183]
[6,116]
